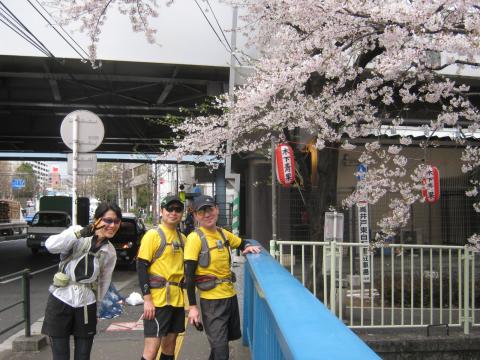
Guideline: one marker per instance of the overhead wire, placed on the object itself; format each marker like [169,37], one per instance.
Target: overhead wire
[60,26]
[55,29]
[228,49]
[223,33]
[18,27]
[8,23]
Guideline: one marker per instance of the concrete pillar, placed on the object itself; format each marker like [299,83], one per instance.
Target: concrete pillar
[258,207]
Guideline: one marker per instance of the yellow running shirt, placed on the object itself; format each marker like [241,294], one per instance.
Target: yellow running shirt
[219,261]
[169,265]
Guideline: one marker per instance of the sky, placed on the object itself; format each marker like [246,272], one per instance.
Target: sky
[184,36]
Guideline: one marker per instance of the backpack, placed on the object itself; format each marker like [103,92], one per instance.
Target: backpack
[209,282]
[158,281]
[204,257]
[163,244]
[60,279]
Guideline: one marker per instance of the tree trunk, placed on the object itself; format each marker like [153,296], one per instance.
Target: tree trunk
[320,195]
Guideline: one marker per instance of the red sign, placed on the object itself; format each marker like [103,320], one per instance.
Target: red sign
[285,164]
[431,183]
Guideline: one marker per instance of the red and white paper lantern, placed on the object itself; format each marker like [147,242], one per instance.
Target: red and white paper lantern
[431,184]
[285,164]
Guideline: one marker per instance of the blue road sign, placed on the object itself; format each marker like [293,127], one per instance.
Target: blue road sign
[18,183]
[361,171]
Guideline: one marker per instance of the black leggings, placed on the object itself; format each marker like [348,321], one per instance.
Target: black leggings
[61,347]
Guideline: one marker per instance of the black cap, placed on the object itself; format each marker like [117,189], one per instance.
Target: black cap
[203,200]
[167,200]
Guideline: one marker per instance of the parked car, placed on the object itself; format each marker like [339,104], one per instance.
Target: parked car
[127,240]
[44,224]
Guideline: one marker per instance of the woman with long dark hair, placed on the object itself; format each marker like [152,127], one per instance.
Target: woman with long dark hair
[87,260]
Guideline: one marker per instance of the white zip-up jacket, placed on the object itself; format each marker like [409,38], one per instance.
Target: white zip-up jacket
[84,270]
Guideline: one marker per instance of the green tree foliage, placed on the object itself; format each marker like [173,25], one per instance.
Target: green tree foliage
[143,197]
[106,182]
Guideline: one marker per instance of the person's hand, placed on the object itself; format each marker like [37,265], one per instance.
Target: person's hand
[252,249]
[90,229]
[148,308]
[193,315]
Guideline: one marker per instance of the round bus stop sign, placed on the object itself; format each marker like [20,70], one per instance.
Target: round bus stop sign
[90,130]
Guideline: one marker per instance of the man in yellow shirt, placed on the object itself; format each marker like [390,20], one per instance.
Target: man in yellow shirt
[160,273]
[208,266]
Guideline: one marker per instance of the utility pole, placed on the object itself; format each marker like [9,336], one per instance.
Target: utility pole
[155,194]
[233,177]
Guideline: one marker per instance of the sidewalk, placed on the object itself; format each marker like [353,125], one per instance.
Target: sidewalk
[122,337]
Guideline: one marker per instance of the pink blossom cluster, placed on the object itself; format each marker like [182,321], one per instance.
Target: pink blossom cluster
[339,70]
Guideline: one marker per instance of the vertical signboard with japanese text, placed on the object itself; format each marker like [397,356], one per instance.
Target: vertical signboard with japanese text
[364,236]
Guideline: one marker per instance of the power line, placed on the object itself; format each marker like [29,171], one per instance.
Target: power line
[218,24]
[216,34]
[10,20]
[53,27]
[223,33]
[60,26]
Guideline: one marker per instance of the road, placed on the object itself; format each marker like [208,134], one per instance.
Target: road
[16,256]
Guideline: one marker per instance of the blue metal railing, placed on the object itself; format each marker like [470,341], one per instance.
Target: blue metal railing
[283,320]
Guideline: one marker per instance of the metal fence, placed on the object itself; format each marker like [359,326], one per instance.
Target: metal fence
[399,285]
[24,301]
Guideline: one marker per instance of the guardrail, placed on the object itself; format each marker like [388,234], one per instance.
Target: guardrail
[25,276]
[283,320]
[397,285]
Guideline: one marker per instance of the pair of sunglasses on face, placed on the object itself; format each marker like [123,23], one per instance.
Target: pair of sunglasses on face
[205,210]
[110,221]
[172,208]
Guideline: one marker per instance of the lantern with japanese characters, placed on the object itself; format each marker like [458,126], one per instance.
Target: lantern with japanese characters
[285,164]
[431,184]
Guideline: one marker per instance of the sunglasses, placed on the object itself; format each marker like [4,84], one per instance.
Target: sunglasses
[205,210]
[110,221]
[177,209]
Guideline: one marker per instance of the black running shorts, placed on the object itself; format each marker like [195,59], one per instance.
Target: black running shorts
[221,320]
[168,319]
[63,320]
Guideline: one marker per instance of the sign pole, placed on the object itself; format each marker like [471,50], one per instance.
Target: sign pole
[74,169]
[273,242]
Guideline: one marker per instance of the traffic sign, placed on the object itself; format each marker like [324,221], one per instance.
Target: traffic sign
[90,130]
[361,171]
[18,183]
[86,164]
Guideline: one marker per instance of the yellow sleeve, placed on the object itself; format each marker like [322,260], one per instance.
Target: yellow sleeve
[234,240]
[149,245]
[193,246]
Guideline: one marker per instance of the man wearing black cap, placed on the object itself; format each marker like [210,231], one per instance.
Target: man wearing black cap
[160,273]
[208,266]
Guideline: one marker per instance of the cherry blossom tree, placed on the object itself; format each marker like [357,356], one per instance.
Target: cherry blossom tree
[343,72]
